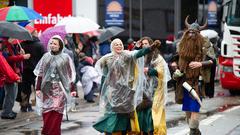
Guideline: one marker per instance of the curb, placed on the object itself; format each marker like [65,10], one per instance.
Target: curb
[175,122]
[28,117]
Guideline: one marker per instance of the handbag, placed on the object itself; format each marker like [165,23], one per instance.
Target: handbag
[122,99]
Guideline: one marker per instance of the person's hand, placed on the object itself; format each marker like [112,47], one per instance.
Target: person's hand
[26,56]
[195,64]
[177,74]
[38,93]
[74,94]
[19,80]
[138,44]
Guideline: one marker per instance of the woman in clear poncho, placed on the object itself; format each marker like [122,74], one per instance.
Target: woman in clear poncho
[55,76]
[121,90]
[151,111]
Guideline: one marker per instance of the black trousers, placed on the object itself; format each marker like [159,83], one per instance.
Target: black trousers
[25,87]
[209,87]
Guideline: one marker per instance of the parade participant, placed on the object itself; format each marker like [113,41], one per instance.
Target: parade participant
[122,88]
[55,76]
[192,62]
[151,112]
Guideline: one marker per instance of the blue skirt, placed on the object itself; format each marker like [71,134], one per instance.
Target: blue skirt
[189,103]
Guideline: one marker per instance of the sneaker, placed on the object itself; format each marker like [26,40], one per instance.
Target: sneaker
[9,116]
[90,101]
[29,108]
[14,113]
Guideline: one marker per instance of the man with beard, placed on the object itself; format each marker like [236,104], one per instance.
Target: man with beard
[193,60]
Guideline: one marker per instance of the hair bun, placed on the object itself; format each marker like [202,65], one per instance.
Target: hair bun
[156,43]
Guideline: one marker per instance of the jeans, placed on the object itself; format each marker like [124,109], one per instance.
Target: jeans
[10,96]
[90,95]
[2,95]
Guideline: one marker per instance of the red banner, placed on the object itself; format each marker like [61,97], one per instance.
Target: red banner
[52,12]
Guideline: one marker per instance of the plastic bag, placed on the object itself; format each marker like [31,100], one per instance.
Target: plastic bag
[39,105]
[122,99]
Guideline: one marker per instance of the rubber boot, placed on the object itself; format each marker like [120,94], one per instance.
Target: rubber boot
[194,131]
[193,125]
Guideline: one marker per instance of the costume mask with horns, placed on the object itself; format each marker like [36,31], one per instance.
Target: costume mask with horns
[195,25]
[190,49]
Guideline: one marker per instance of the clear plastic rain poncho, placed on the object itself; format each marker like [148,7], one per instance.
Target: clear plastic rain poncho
[57,72]
[122,88]
[55,68]
[156,83]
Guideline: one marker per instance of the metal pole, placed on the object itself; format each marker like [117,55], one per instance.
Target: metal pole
[130,18]
[177,16]
[74,8]
[141,18]
[198,10]
[30,4]
[203,12]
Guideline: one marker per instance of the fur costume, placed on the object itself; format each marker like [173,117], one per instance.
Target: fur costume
[192,48]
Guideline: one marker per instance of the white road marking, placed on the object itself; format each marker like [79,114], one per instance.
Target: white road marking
[211,119]
[182,132]
[232,109]
[208,120]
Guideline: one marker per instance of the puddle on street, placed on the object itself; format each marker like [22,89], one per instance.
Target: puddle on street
[175,123]
[84,124]
[31,132]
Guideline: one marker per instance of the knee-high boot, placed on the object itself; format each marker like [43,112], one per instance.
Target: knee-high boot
[194,127]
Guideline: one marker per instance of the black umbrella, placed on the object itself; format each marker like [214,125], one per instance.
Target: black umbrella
[8,29]
[109,33]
